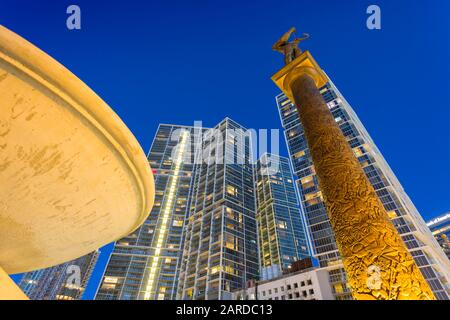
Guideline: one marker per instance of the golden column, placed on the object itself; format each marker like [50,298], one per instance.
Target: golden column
[377,263]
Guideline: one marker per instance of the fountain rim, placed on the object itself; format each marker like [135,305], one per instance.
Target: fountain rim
[34,63]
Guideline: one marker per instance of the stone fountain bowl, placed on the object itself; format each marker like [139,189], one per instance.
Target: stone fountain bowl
[72,176]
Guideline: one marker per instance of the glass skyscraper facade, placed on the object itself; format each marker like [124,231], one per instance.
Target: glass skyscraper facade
[282,238]
[428,255]
[66,281]
[440,228]
[144,265]
[220,248]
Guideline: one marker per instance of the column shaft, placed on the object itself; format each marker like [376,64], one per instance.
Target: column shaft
[377,262]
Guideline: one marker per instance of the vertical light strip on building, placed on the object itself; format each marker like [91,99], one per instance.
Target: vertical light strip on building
[162,231]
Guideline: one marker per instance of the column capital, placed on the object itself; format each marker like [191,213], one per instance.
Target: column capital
[304,64]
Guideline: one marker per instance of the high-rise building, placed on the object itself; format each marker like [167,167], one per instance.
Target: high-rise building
[427,254]
[66,281]
[440,228]
[144,264]
[282,237]
[220,249]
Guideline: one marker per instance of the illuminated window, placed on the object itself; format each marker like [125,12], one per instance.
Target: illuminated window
[357,152]
[231,242]
[310,196]
[307,182]
[299,154]
[338,288]
[109,286]
[177,223]
[312,201]
[282,224]
[229,269]
[285,102]
[111,280]
[214,270]
[392,214]
[231,190]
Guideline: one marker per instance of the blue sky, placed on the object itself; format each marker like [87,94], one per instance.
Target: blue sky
[180,61]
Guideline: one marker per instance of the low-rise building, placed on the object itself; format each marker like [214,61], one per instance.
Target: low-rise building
[440,228]
[311,284]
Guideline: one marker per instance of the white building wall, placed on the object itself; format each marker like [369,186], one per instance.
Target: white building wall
[308,285]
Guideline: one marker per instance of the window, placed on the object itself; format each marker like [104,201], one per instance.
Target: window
[289,287]
[231,190]
[231,242]
[307,182]
[303,283]
[311,291]
[338,288]
[392,214]
[309,282]
[290,295]
[177,222]
[296,285]
[311,196]
[110,280]
[297,295]
[299,154]
[214,270]
[282,224]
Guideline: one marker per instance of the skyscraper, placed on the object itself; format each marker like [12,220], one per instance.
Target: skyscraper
[282,238]
[410,225]
[144,264]
[220,249]
[440,228]
[66,281]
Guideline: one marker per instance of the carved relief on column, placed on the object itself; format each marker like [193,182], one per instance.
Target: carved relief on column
[377,263]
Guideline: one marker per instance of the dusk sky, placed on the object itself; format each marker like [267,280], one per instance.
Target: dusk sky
[184,61]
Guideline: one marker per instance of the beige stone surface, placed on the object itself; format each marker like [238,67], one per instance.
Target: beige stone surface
[8,289]
[72,176]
